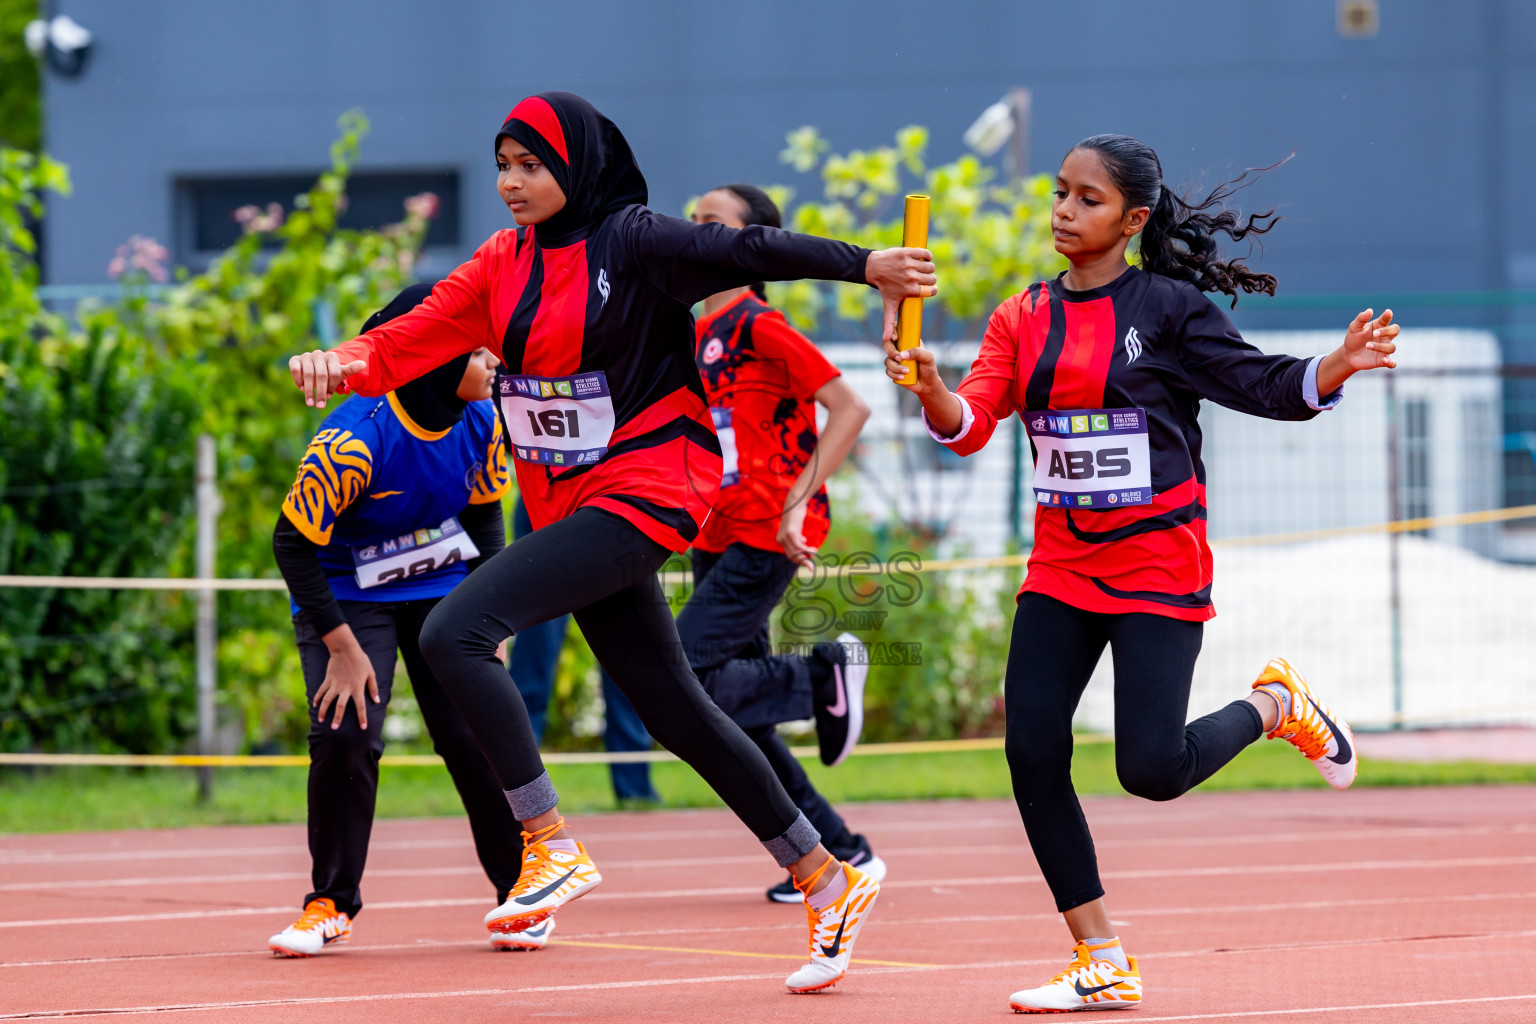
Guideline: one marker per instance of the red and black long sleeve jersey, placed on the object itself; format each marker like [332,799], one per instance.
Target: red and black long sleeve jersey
[1146,342]
[614,297]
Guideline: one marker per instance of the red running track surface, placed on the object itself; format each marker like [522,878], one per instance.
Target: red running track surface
[1364,906]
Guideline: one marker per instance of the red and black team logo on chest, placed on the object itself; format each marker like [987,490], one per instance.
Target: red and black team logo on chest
[725,348]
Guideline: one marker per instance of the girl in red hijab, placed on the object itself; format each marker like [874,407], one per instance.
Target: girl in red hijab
[618,461]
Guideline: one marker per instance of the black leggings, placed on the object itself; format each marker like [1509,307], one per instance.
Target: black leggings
[344,762]
[600,568]
[1050,659]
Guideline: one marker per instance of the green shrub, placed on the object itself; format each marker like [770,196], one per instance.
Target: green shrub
[98,416]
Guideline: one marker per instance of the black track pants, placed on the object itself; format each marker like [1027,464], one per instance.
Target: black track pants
[344,762]
[600,568]
[1050,659]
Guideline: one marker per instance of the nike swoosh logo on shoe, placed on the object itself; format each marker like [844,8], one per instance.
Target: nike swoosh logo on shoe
[1344,752]
[1090,991]
[837,941]
[839,708]
[534,897]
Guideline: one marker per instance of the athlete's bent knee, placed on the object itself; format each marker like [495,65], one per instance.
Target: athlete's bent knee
[1151,782]
[437,640]
[446,639]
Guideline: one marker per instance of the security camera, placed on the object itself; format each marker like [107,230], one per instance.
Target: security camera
[63,41]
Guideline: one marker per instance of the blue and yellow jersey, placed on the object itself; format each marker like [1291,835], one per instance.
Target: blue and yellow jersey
[372,476]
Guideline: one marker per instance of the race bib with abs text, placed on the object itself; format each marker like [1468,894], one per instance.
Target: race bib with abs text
[1091,458]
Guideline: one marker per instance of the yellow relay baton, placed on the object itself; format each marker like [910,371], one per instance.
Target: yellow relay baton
[909,319]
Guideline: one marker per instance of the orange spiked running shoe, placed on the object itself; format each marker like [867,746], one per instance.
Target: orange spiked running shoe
[319,926]
[528,939]
[549,880]
[1088,983]
[1311,727]
[834,929]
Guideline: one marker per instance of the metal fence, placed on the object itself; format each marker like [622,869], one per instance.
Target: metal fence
[1430,621]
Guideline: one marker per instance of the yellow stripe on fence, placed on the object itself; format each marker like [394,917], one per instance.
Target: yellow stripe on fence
[1495,515]
[1478,715]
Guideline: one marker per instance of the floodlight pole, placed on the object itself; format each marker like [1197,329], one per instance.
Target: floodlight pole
[207,632]
[1020,100]
[1017,161]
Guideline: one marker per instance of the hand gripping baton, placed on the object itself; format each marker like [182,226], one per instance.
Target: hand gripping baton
[909,319]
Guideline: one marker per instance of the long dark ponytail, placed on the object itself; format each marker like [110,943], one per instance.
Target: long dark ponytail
[1179,240]
[760,209]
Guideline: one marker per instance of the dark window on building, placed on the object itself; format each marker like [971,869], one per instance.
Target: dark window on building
[206,207]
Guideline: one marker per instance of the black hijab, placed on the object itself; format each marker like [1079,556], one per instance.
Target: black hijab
[588,156]
[432,400]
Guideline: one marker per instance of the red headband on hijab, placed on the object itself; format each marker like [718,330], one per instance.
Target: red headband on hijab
[588,155]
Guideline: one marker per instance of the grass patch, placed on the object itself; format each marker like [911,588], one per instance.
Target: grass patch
[70,799]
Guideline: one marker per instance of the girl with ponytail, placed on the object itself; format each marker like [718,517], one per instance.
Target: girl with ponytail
[1107,365]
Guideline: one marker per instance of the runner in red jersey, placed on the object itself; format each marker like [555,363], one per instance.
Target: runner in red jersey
[763,380]
[588,309]
[1108,365]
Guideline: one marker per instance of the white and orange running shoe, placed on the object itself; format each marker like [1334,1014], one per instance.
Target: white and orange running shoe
[526,940]
[319,926]
[833,931]
[550,879]
[1311,727]
[1088,983]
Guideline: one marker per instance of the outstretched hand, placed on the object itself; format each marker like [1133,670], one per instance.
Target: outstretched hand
[900,274]
[1369,344]
[320,374]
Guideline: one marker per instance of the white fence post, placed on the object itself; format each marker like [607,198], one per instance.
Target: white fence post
[207,607]
[1394,538]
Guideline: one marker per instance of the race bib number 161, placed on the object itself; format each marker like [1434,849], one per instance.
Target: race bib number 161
[557,421]
[1091,458]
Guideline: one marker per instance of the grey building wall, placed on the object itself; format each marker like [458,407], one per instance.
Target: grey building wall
[1413,148]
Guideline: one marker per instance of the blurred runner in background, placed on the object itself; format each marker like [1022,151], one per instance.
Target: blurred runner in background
[763,380]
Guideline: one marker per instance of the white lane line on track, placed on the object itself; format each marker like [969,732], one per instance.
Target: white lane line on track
[756,858]
[9,857]
[597,827]
[87,884]
[588,832]
[864,971]
[886,921]
[967,882]
[465,993]
[1352,1008]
